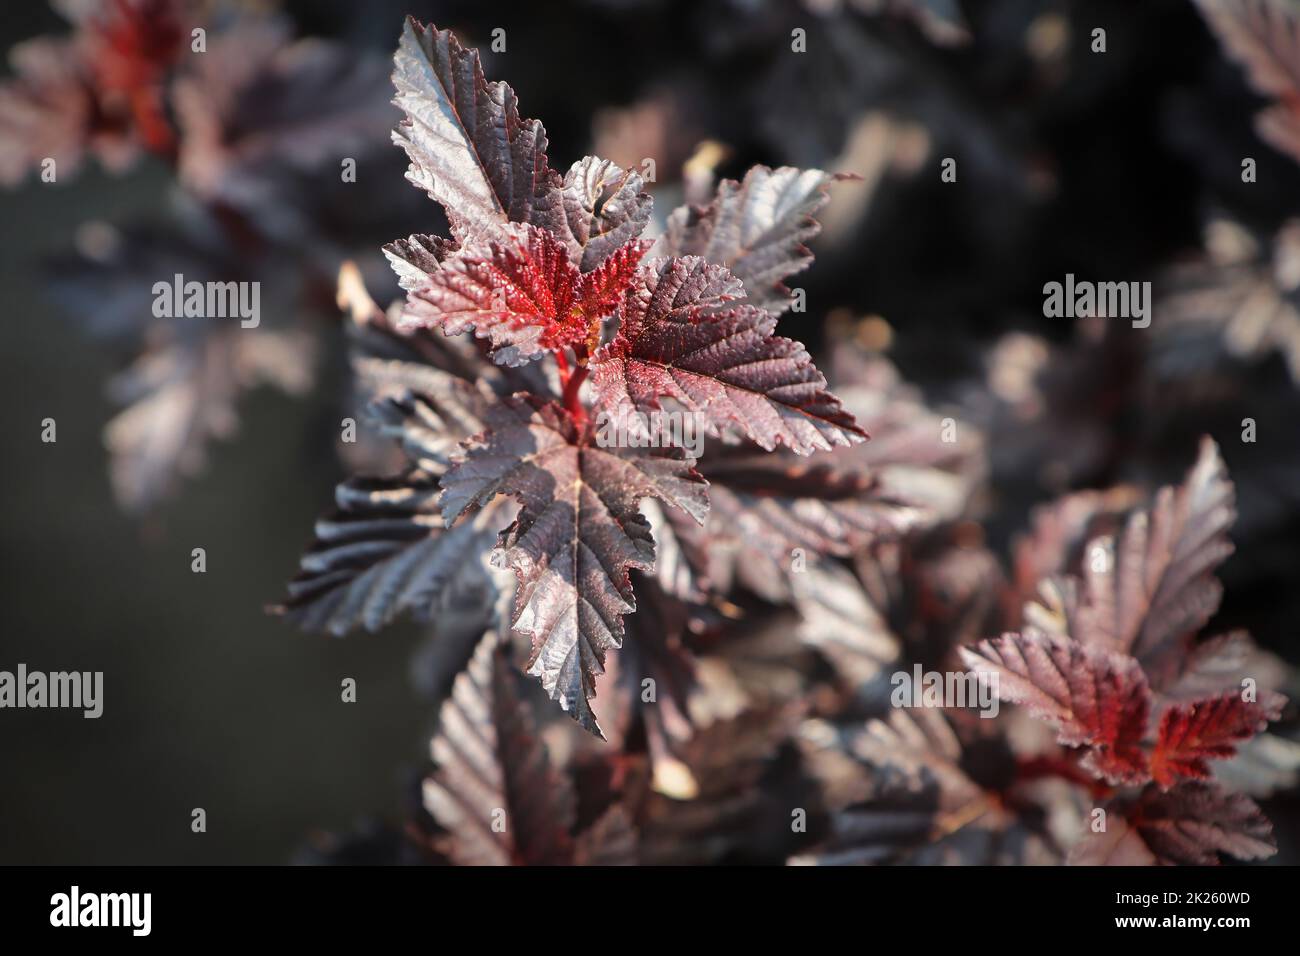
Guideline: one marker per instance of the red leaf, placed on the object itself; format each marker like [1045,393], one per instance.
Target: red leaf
[1194,732]
[520,290]
[1092,697]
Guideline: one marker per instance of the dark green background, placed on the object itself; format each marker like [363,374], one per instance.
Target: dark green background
[209,702]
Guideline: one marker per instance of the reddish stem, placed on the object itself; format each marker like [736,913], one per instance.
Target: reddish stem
[572,382]
[155,130]
[570,399]
[1036,768]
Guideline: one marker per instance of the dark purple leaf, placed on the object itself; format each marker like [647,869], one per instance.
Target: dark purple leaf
[385,551]
[757,229]
[1190,825]
[494,790]
[469,148]
[681,336]
[578,534]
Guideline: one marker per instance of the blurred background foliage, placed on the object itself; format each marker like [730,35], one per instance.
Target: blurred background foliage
[1119,166]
